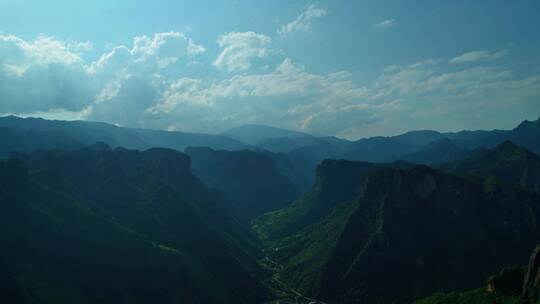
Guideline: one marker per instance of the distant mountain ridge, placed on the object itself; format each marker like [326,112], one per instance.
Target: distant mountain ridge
[424,146]
[28,134]
[296,154]
[436,152]
[506,161]
[525,134]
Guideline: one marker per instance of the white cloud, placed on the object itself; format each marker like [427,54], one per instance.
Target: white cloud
[40,75]
[48,74]
[437,96]
[302,23]
[168,46]
[476,56]
[239,49]
[144,85]
[385,24]
[19,55]
[80,47]
[423,95]
[287,96]
[131,78]
[158,51]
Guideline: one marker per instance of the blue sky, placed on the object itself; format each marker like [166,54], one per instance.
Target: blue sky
[346,68]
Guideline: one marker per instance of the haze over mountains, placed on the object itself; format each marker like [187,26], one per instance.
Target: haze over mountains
[304,151]
[95,213]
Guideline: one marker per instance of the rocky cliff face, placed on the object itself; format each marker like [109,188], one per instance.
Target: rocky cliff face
[404,234]
[531,282]
[337,181]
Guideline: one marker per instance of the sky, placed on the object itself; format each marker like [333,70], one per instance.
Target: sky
[348,68]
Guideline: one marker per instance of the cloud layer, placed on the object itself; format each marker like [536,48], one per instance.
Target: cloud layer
[148,84]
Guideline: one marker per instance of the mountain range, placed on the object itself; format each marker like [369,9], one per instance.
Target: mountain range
[96,213]
[296,154]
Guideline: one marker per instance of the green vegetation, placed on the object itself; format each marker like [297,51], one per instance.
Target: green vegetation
[382,234]
[104,226]
[507,162]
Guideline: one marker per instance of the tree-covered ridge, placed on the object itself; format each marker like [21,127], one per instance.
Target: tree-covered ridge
[507,161]
[105,226]
[398,233]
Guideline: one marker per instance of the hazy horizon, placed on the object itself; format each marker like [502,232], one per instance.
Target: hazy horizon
[223,132]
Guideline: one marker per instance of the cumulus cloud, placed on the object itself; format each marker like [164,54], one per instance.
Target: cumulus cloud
[239,49]
[80,47]
[40,75]
[476,56]
[19,55]
[147,84]
[156,52]
[132,77]
[302,23]
[287,96]
[48,74]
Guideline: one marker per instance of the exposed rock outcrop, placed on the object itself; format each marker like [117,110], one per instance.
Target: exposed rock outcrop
[532,280]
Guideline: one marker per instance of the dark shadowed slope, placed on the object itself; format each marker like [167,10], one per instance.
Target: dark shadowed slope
[154,197]
[511,285]
[384,234]
[249,180]
[506,161]
[337,182]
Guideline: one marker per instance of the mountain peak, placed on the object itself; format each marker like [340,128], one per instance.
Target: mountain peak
[508,148]
[507,144]
[527,124]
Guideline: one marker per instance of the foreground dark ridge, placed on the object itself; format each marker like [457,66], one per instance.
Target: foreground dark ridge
[371,233]
[105,226]
[512,285]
